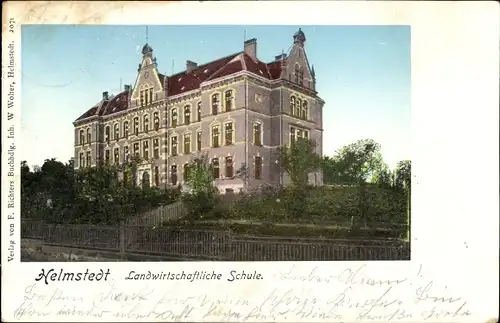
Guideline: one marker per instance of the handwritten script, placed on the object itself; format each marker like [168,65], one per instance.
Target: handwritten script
[349,295]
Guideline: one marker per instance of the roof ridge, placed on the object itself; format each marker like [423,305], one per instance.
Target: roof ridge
[205,64]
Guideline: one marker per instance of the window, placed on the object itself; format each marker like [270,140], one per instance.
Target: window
[299,75]
[81,161]
[173,117]
[228,100]
[229,191]
[305,110]
[151,94]
[215,103]
[215,136]
[258,167]
[136,126]
[107,156]
[228,138]
[292,135]
[229,167]
[298,107]
[136,150]
[116,131]
[145,121]
[198,141]
[292,105]
[156,148]
[125,153]
[257,133]
[89,135]
[173,174]
[185,172]
[88,162]
[125,129]
[117,156]
[199,111]
[215,168]
[157,176]
[142,98]
[107,133]
[156,121]
[173,148]
[82,137]
[187,114]
[145,149]
[187,143]
[145,179]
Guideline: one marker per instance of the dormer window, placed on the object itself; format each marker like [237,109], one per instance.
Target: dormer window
[215,103]
[228,100]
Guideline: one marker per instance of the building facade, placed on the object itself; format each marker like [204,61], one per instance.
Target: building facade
[236,109]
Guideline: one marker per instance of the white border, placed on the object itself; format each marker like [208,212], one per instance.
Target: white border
[455,91]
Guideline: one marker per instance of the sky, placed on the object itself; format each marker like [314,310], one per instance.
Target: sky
[362,73]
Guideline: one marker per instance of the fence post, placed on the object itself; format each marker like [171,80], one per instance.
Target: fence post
[122,240]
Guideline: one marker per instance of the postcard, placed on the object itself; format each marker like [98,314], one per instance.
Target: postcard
[273,161]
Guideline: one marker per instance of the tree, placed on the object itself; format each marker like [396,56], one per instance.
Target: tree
[403,175]
[202,195]
[299,160]
[354,163]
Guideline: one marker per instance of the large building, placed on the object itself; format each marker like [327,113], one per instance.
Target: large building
[237,109]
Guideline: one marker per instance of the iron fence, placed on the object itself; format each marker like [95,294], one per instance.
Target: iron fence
[210,245]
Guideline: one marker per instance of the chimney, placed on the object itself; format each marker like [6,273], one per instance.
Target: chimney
[280,57]
[251,48]
[105,95]
[190,66]
[128,88]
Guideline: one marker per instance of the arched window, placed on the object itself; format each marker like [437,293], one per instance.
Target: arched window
[228,100]
[299,75]
[257,133]
[173,118]
[145,150]
[215,103]
[82,137]
[156,121]
[157,175]
[298,107]
[305,110]
[228,133]
[89,135]
[136,126]
[229,167]
[187,114]
[292,105]
[146,123]
[107,133]
[116,131]
[199,111]
[125,129]
[215,168]
[173,174]
[145,179]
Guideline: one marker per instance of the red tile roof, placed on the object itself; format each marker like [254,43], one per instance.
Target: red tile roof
[183,82]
